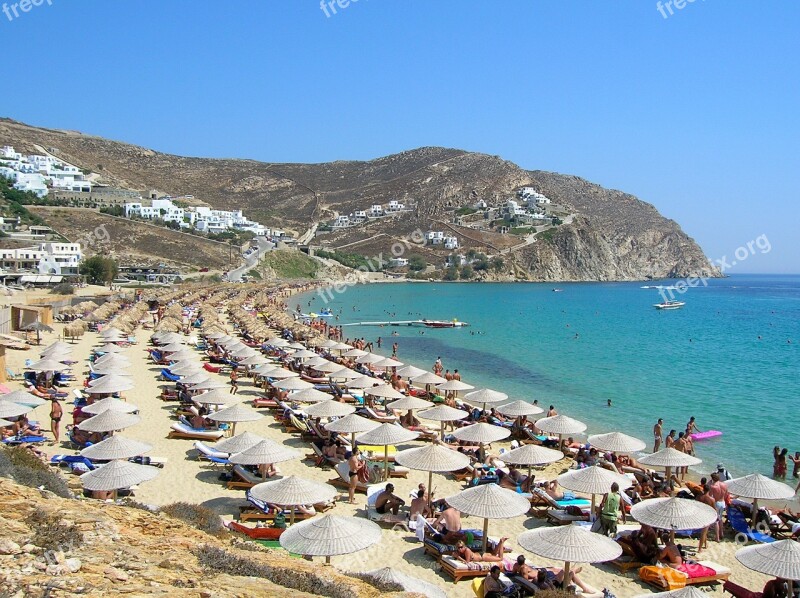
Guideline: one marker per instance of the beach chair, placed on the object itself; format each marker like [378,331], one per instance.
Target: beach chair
[675,578]
[343,479]
[258,510]
[168,376]
[181,430]
[562,517]
[739,591]
[83,464]
[384,419]
[206,453]
[737,521]
[242,479]
[542,502]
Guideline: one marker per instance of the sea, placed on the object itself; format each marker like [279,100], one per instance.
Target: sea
[730,357]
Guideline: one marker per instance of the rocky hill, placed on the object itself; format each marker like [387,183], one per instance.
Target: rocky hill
[53,546]
[614,236]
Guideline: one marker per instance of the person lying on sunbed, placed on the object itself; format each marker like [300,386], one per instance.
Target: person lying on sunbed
[516,480]
[463,553]
[23,427]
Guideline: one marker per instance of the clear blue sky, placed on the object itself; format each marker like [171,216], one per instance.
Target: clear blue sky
[697,113]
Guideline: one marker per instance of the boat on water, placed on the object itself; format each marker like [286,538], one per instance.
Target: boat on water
[669,305]
[443,324]
[558,290]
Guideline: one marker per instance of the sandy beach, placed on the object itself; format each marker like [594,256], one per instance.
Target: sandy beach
[185,478]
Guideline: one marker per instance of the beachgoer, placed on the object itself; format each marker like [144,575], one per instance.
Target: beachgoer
[671,554]
[234,382]
[719,492]
[356,465]
[494,587]
[658,430]
[609,509]
[670,439]
[463,553]
[449,525]
[419,506]
[388,502]
[779,467]
[775,588]
[551,412]
[691,427]
[707,499]
[56,413]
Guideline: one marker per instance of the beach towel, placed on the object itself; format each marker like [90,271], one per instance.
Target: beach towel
[694,570]
[663,577]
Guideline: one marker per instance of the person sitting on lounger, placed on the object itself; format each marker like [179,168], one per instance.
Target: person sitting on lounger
[463,553]
[670,554]
[267,470]
[419,506]
[387,502]
[409,421]
[643,543]
[449,525]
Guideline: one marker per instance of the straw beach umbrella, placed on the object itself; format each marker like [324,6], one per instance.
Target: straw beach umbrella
[5,423]
[616,442]
[330,535]
[489,501]
[780,559]
[757,486]
[362,382]
[264,453]
[593,480]
[519,409]
[387,363]
[292,491]
[217,396]
[385,391]
[109,421]
[385,435]
[674,514]
[442,414]
[329,409]
[344,374]
[427,379]
[109,403]
[292,384]
[352,424]
[482,433]
[328,367]
[23,398]
[235,413]
[48,364]
[237,444]
[687,592]
[409,371]
[430,458]
[111,386]
[571,544]
[560,424]
[310,395]
[455,386]
[387,575]
[369,358]
[115,447]
[116,475]
[485,396]
[207,385]
[113,359]
[669,458]
[11,409]
[532,454]
[409,403]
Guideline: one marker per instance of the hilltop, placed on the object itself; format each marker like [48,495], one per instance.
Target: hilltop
[610,235]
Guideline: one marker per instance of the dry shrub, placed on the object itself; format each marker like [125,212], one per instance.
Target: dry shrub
[197,516]
[25,468]
[51,533]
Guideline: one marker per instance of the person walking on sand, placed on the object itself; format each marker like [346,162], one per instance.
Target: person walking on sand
[234,382]
[658,431]
[56,413]
[610,508]
[355,465]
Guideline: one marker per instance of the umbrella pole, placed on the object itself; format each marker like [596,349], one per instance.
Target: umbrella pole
[485,534]
[385,462]
[592,514]
[430,491]
[753,515]
[327,560]
[566,574]
[441,431]
[291,517]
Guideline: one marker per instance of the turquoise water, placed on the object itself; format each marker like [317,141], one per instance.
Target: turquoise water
[594,341]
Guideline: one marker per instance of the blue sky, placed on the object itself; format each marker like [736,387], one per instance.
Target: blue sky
[696,113]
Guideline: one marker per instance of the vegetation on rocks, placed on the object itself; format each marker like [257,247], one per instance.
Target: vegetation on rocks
[22,466]
[197,516]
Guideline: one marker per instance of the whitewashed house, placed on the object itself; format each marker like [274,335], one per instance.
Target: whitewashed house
[394,207]
[451,242]
[398,262]
[376,211]
[434,237]
[59,258]
[342,221]
[359,216]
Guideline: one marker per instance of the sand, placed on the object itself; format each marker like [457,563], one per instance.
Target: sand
[185,478]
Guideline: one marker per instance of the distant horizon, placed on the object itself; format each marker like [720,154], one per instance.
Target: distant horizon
[691,110]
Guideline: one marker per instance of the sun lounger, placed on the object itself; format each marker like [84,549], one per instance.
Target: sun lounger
[737,521]
[75,463]
[739,591]
[542,502]
[459,570]
[265,403]
[205,452]
[180,430]
[168,376]
[244,479]
[561,517]
[258,510]
[384,419]
[672,578]
[343,479]
[256,533]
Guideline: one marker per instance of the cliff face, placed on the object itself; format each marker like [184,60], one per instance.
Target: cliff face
[615,235]
[86,548]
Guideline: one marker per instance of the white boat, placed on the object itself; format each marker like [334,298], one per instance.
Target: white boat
[670,305]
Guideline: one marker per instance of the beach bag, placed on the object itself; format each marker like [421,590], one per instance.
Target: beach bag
[279,521]
[574,511]
[663,577]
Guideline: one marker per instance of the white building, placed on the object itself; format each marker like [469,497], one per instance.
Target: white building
[376,211]
[60,258]
[513,209]
[394,207]
[359,216]
[31,182]
[398,262]
[451,242]
[434,237]
[532,197]
[342,221]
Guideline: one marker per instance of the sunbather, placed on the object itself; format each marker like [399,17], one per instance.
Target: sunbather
[463,553]
[387,502]
[643,543]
